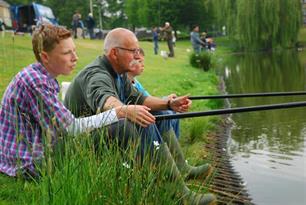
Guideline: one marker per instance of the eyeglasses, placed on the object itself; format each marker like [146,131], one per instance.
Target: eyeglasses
[135,51]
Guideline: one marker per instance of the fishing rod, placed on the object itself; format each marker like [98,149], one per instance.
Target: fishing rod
[230,110]
[248,95]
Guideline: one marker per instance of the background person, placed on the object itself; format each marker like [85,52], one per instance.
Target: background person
[76,23]
[155,40]
[196,41]
[209,41]
[90,24]
[167,31]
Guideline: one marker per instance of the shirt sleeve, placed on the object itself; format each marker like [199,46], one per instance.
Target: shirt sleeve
[140,88]
[48,110]
[101,85]
[87,124]
[98,87]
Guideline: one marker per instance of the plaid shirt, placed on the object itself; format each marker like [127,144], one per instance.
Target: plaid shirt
[30,108]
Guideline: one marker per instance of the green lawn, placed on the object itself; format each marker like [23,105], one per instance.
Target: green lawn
[95,175]
[302,36]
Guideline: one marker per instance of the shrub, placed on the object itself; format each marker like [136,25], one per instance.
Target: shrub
[202,60]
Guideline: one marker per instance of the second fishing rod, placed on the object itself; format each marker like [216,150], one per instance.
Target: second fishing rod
[245,95]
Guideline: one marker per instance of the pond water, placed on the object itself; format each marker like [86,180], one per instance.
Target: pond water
[268,148]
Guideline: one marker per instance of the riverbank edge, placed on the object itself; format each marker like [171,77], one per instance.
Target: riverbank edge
[225,182]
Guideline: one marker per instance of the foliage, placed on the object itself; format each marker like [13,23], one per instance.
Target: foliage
[113,14]
[302,37]
[151,13]
[133,13]
[202,60]
[78,173]
[260,24]
[251,24]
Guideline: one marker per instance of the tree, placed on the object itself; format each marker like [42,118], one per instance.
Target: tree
[261,24]
[64,9]
[131,9]
[113,14]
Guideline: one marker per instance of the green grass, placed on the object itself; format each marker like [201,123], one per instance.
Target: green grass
[80,176]
[302,37]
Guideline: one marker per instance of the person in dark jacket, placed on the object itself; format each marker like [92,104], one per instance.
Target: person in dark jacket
[90,24]
[155,40]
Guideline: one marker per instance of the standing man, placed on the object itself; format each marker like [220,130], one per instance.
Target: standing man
[103,84]
[167,30]
[155,40]
[196,41]
[75,23]
[90,24]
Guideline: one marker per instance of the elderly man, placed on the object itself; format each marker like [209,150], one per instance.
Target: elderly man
[103,85]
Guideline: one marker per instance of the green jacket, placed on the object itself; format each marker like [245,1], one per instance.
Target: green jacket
[92,86]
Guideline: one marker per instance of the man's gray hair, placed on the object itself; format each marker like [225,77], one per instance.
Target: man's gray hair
[114,39]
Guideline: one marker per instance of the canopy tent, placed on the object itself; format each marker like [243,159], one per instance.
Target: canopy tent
[5,14]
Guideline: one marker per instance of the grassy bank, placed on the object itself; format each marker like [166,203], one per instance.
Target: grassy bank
[302,37]
[82,177]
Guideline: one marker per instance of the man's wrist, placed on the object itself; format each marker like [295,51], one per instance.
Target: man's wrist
[169,104]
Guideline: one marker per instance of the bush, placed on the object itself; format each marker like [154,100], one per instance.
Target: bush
[202,60]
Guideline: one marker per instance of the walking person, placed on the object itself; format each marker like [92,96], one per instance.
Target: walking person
[167,31]
[155,40]
[90,24]
[75,23]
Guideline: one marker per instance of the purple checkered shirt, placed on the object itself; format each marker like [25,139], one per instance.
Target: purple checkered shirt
[30,107]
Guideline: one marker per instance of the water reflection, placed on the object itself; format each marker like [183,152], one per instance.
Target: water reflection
[268,147]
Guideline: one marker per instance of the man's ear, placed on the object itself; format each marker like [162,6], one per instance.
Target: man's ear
[114,53]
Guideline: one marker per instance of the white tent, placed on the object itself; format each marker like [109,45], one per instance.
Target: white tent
[5,14]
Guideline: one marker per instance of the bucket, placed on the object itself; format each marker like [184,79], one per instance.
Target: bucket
[64,88]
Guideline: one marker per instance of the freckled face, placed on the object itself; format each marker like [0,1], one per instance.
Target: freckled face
[62,59]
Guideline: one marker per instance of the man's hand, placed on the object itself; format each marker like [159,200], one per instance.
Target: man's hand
[139,114]
[180,104]
[171,96]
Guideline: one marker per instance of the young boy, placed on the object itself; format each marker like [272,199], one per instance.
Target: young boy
[30,109]
[138,68]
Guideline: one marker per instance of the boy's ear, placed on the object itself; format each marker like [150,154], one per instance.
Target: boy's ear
[44,57]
